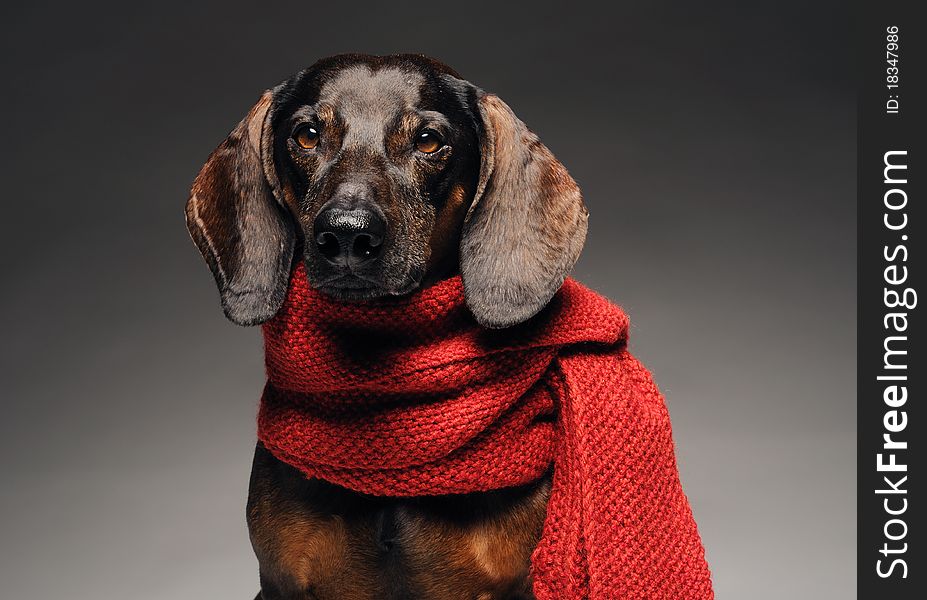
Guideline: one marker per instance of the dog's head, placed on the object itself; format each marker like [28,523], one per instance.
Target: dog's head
[386,173]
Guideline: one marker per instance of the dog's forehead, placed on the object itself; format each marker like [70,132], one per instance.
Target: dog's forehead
[360,93]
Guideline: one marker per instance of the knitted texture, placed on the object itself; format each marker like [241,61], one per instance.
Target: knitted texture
[410,396]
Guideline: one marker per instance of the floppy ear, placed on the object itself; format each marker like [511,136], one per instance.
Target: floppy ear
[526,226]
[238,224]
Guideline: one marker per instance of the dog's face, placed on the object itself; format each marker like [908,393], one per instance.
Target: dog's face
[385,173]
[378,166]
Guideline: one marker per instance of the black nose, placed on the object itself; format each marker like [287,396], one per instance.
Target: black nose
[349,236]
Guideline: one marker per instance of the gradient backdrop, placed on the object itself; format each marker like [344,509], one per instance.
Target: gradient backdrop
[715,144]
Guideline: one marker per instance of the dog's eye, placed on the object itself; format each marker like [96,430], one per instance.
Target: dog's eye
[428,142]
[307,137]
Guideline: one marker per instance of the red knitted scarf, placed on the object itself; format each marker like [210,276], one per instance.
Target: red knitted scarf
[410,397]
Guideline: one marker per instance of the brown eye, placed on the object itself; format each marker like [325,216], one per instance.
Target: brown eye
[307,137]
[428,142]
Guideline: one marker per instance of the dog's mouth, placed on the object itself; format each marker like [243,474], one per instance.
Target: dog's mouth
[356,287]
[349,286]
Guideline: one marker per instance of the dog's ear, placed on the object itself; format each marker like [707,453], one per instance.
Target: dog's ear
[526,226]
[237,220]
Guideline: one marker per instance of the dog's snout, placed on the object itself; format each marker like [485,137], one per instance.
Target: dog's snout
[349,235]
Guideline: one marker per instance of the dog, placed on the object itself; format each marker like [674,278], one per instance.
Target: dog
[385,175]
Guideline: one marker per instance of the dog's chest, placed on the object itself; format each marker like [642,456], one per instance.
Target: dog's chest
[316,540]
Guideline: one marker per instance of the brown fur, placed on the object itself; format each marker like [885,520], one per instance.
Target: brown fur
[529,211]
[241,229]
[445,236]
[317,540]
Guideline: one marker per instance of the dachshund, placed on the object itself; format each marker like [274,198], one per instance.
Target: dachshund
[385,174]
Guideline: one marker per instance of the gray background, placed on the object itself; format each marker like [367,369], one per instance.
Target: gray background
[715,144]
